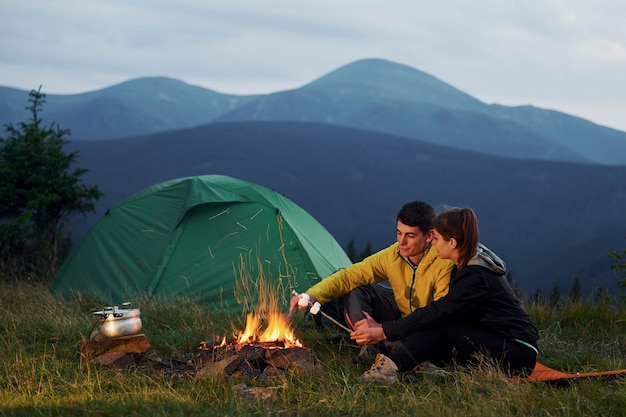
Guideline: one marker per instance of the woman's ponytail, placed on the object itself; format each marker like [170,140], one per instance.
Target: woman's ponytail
[462,225]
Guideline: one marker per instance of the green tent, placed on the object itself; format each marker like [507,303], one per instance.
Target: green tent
[199,238]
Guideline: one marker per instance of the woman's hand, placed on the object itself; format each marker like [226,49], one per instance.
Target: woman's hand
[368,331]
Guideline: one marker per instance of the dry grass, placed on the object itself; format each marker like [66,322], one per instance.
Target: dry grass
[42,373]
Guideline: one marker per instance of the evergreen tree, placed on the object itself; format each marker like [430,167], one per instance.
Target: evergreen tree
[367,251]
[351,251]
[620,267]
[554,298]
[575,294]
[39,192]
[536,297]
[602,297]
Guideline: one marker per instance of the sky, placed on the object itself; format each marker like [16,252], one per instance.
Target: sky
[565,55]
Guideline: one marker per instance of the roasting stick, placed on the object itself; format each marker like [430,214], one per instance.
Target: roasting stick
[314,309]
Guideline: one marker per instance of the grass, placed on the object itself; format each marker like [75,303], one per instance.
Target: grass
[43,374]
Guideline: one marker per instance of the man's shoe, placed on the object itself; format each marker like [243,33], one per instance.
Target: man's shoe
[425,369]
[366,353]
[340,338]
[383,371]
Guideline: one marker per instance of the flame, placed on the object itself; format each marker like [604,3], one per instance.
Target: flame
[250,332]
[265,293]
[277,330]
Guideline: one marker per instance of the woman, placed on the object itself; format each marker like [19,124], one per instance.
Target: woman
[479,317]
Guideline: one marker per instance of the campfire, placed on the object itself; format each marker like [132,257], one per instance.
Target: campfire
[265,348]
[257,353]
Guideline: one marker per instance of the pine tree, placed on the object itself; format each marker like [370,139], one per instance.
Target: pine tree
[619,267]
[575,294]
[554,297]
[367,251]
[351,251]
[39,192]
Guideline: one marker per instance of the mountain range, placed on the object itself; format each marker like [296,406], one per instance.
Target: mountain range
[352,146]
[373,94]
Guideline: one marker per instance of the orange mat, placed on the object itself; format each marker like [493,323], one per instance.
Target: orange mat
[544,373]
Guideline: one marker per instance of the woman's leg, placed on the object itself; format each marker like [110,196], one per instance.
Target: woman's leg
[429,345]
[463,344]
[470,342]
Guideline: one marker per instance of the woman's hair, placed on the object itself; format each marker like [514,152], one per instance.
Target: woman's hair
[462,225]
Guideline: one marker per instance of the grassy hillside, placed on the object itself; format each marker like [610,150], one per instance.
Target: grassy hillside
[42,372]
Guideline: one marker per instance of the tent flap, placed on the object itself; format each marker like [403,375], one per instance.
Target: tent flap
[543,373]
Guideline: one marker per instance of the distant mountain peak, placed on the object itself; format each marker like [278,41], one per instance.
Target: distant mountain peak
[155,85]
[375,67]
[391,79]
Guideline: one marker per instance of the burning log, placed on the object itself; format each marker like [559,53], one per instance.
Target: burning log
[256,353]
[260,360]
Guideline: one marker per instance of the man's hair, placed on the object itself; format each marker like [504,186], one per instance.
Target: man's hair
[417,214]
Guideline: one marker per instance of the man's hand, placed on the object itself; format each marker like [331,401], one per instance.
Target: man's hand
[302,301]
[368,331]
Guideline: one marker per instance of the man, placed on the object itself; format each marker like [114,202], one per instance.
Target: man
[393,282]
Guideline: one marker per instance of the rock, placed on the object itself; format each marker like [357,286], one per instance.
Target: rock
[126,344]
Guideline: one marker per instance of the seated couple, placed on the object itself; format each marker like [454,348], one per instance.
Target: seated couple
[444,299]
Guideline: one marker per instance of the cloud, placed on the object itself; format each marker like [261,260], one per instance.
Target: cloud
[529,52]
